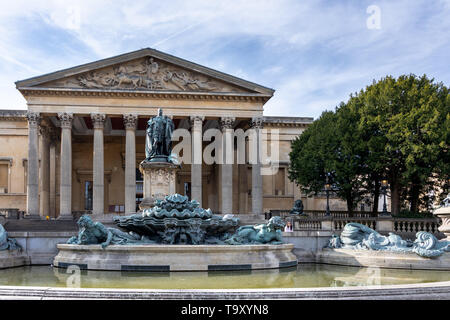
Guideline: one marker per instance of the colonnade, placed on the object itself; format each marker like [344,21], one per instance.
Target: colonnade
[40,205]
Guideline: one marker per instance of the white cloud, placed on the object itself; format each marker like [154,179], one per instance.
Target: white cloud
[314,53]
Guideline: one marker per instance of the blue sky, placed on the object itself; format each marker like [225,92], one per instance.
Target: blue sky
[313,53]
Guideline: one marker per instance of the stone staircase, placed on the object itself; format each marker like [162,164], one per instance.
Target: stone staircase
[31,225]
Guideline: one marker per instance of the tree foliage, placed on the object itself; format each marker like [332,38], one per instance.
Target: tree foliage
[327,147]
[396,129]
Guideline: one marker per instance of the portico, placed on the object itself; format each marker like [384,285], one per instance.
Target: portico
[86,130]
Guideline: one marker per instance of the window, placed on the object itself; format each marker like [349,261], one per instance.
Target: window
[280,186]
[139,175]
[139,188]
[88,195]
[116,208]
[25,174]
[119,208]
[4,177]
[187,190]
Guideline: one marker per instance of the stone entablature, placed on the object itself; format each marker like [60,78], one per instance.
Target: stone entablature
[302,122]
[195,96]
[13,115]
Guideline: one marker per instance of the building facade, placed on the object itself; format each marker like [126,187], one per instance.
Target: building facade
[78,146]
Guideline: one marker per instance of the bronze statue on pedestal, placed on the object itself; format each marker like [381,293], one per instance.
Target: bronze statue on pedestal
[158,139]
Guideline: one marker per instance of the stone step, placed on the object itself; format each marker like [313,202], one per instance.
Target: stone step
[32,225]
[40,225]
[250,219]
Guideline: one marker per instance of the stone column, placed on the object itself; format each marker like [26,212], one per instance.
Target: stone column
[227,125]
[130,123]
[53,176]
[98,191]
[257,194]
[243,188]
[33,165]
[444,214]
[65,189]
[197,157]
[45,171]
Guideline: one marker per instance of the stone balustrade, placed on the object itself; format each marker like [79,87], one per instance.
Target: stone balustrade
[339,223]
[308,224]
[405,227]
[322,214]
[408,225]
[11,213]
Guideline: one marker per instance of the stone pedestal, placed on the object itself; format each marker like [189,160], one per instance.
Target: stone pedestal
[13,258]
[165,258]
[444,214]
[159,181]
[381,259]
[327,224]
[385,224]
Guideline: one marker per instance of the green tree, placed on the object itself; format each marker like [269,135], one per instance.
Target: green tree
[403,122]
[330,146]
[310,150]
[394,129]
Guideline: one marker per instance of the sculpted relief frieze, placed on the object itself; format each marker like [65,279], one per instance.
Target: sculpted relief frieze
[144,74]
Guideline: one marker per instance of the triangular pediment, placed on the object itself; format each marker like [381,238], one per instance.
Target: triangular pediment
[145,70]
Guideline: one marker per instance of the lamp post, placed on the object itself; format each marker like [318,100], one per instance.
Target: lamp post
[327,190]
[384,185]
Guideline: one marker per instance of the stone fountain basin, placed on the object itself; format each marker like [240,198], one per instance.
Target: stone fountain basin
[382,259]
[165,258]
[13,258]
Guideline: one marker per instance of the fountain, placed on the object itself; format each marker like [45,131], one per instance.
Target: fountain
[176,220]
[359,245]
[182,239]
[173,233]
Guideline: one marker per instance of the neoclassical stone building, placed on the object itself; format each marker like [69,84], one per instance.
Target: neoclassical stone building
[78,146]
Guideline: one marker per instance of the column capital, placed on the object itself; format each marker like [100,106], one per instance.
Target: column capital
[65,119]
[196,120]
[98,120]
[227,122]
[34,119]
[130,121]
[257,122]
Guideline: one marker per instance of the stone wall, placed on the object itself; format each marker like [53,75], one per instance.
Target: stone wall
[40,247]
[13,155]
[307,243]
